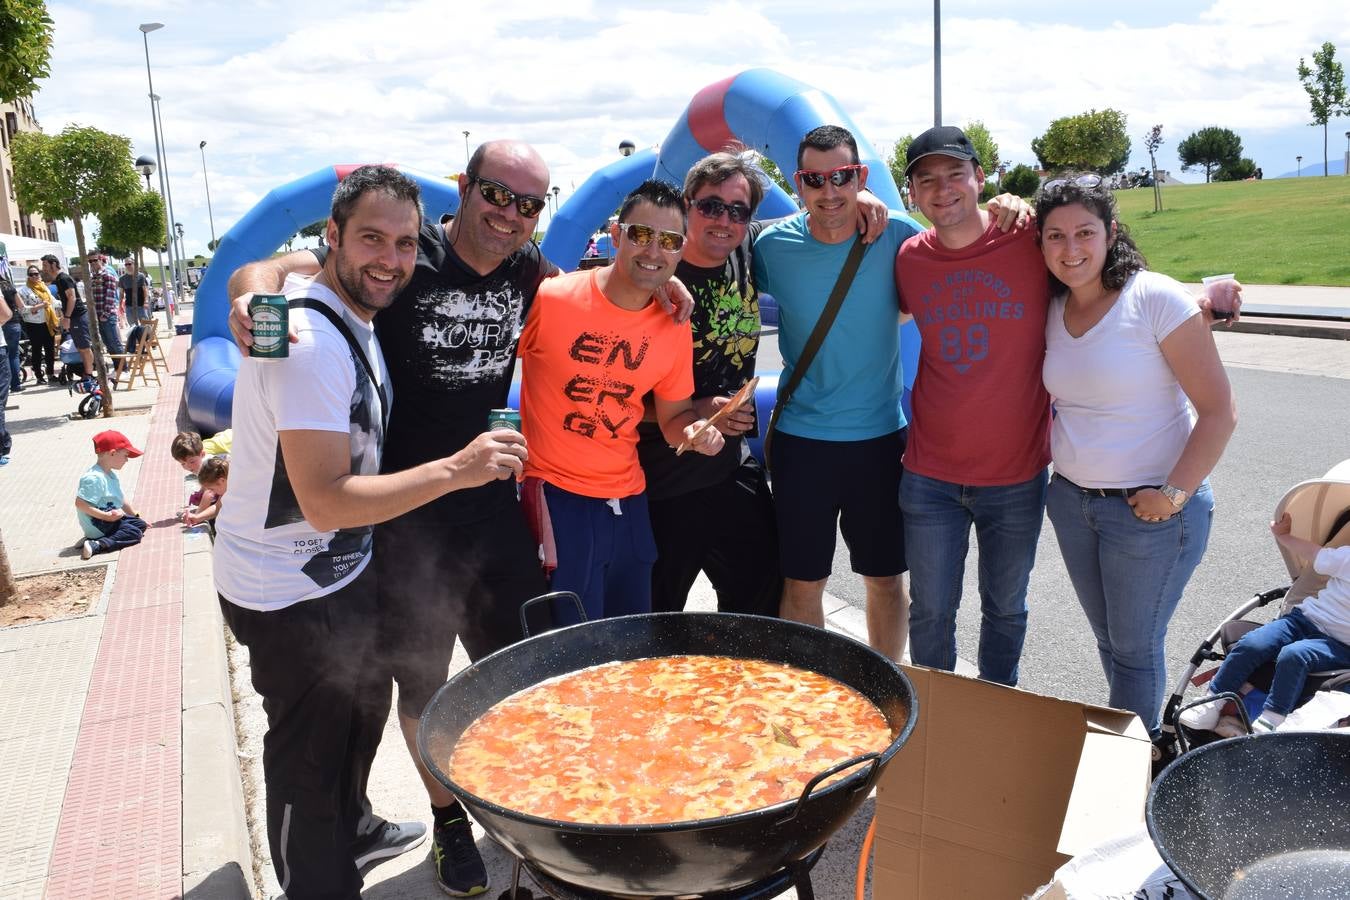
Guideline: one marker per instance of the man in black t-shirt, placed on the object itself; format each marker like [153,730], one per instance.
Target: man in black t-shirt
[738,547]
[136,290]
[74,315]
[463,564]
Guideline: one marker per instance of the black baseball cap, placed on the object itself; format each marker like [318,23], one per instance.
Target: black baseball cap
[942,140]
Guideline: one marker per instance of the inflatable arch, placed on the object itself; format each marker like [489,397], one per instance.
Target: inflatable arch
[762,109]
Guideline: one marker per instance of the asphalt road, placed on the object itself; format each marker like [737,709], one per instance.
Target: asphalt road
[1292,427]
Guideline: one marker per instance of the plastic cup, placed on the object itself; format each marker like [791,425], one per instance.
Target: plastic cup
[1211,279]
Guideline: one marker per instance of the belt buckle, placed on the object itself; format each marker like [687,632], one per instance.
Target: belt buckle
[1101,492]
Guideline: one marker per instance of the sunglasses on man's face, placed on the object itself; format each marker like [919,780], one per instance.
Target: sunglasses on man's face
[643,235]
[838,177]
[713,207]
[502,196]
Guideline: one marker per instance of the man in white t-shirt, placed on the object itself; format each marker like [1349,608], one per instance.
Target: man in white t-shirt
[294,544]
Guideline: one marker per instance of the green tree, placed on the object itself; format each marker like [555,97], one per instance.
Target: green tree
[314,230]
[1212,147]
[1093,141]
[81,171]
[896,163]
[213,244]
[136,224]
[985,147]
[771,170]
[1152,141]
[25,47]
[1236,171]
[1021,180]
[1326,90]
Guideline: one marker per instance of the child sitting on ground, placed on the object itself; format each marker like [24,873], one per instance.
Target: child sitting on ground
[1311,637]
[213,476]
[189,449]
[108,520]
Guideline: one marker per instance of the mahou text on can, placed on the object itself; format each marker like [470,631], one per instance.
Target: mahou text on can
[271,326]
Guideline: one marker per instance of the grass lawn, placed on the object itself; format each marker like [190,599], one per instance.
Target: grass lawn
[1283,231]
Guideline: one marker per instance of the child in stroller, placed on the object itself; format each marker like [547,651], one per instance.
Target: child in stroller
[1309,644]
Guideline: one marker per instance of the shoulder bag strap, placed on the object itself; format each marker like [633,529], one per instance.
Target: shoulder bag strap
[335,320]
[822,328]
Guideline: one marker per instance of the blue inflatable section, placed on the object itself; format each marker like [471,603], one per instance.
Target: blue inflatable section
[763,109]
[209,389]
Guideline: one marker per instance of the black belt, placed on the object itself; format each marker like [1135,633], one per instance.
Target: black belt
[1124,493]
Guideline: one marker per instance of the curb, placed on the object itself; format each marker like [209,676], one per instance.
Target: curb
[1254,323]
[217,862]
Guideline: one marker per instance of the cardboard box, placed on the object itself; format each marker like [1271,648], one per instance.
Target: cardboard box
[998,787]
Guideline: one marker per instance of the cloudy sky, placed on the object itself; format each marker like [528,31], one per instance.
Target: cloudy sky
[280,89]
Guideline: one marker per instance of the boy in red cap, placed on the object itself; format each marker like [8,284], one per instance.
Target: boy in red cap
[108,520]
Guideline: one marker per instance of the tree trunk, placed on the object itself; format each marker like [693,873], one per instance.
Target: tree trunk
[1157,188]
[7,588]
[100,364]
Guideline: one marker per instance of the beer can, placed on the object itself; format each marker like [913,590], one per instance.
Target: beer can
[271,326]
[503,418]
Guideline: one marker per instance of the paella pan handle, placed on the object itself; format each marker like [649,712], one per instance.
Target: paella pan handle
[873,757]
[1212,698]
[561,596]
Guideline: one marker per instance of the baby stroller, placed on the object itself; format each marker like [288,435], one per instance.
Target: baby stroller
[72,365]
[1320,512]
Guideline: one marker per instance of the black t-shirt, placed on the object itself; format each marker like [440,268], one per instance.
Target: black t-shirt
[449,342]
[65,283]
[136,297]
[725,324]
[11,295]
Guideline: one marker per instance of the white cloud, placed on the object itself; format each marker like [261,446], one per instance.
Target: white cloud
[281,89]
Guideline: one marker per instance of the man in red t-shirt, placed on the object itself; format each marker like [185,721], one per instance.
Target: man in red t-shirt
[979,436]
[594,345]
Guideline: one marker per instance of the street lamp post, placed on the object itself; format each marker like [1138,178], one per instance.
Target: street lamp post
[209,215]
[937,63]
[1299,159]
[146,28]
[555,199]
[466,151]
[626,148]
[1346,169]
[178,227]
[180,271]
[146,166]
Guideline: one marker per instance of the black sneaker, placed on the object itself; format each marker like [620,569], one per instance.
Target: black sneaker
[459,867]
[390,840]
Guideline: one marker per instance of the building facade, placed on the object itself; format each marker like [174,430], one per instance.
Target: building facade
[14,118]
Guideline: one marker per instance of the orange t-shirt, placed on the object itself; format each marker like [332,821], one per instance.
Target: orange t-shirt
[586,364]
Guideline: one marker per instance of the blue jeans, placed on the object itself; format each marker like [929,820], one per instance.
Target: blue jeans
[1298,647]
[1129,576]
[112,337]
[13,334]
[938,516]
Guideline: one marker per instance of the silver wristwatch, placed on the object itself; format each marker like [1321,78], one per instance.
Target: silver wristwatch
[1175,495]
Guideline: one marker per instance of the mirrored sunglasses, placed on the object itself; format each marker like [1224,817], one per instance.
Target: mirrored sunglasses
[713,207]
[838,177]
[643,235]
[1089,181]
[500,195]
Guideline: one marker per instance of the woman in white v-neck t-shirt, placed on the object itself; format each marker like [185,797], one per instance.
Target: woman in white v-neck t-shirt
[1143,413]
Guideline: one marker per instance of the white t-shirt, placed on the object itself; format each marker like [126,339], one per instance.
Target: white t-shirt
[1121,418]
[1329,608]
[266,555]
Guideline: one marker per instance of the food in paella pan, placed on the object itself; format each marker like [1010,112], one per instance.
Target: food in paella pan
[665,739]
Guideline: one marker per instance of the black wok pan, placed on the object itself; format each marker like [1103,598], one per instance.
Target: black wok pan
[1264,815]
[695,857]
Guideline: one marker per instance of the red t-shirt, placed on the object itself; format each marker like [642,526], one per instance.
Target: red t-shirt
[586,364]
[981,413]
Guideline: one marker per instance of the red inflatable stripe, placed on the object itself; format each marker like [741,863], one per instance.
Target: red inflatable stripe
[344,171]
[707,119]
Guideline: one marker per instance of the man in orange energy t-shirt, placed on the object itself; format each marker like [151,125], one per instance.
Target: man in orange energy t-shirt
[594,345]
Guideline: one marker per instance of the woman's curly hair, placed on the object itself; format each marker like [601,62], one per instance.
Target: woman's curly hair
[1123,258]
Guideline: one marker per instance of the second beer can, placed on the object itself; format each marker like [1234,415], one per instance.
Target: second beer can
[503,418]
[271,326]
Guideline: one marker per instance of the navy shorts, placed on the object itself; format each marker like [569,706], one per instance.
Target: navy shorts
[853,486]
[79,332]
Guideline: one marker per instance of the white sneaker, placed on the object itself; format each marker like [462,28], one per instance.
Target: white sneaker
[1266,723]
[1203,717]
[86,549]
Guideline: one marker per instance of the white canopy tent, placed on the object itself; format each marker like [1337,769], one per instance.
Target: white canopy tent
[18,251]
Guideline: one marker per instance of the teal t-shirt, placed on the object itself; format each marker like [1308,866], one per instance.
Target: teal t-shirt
[852,390]
[101,490]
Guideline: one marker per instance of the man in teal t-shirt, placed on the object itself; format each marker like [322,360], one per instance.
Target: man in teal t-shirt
[837,450]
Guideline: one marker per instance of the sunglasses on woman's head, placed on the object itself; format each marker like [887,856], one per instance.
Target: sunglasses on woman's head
[838,176]
[643,235]
[498,194]
[1089,181]
[713,207]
